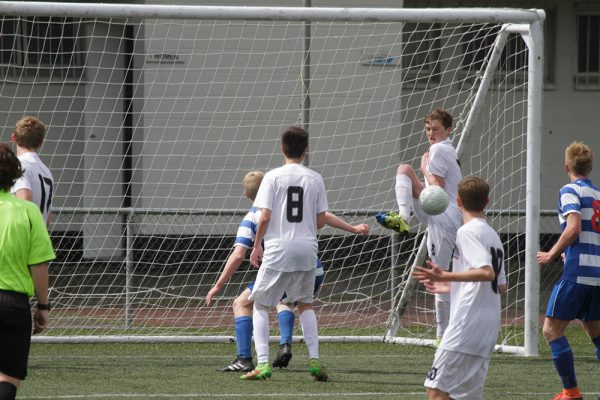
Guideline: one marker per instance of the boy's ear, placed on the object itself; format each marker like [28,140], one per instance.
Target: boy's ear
[459,202]
[13,138]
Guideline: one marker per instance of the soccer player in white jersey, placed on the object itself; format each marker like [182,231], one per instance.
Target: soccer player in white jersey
[461,361]
[293,203]
[577,294]
[439,166]
[37,183]
[242,306]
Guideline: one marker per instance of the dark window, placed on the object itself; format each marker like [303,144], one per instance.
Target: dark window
[588,43]
[40,47]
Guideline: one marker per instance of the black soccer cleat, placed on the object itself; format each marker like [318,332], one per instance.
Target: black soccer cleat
[284,355]
[239,365]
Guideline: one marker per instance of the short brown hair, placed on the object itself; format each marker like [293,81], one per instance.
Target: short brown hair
[294,141]
[474,193]
[10,167]
[441,115]
[251,183]
[29,132]
[579,158]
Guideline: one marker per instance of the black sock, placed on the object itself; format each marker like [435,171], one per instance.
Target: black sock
[8,391]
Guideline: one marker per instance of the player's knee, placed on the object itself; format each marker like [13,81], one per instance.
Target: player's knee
[241,304]
[283,307]
[404,169]
[434,394]
[551,331]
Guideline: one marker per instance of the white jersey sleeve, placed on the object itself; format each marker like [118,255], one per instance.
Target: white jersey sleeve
[246,233]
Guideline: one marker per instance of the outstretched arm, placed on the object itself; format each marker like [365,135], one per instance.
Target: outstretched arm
[437,274]
[336,222]
[234,261]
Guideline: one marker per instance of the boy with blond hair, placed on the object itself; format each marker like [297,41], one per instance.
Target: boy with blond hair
[37,183]
[577,294]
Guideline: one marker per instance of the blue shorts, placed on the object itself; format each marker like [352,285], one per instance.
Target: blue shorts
[571,300]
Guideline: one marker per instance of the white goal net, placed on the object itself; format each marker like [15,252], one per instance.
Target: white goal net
[155,114]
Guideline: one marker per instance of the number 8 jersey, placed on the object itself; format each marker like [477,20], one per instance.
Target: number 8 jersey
[582,257]
[295,195]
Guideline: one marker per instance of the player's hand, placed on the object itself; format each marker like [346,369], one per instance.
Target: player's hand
[362,229]
[40,321]
[435,274]
[543,257]
[437,287]
[256,257]
[212,292]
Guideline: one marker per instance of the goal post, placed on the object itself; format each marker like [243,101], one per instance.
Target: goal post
[155,113]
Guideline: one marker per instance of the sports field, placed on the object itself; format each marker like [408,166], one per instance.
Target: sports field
[358,371]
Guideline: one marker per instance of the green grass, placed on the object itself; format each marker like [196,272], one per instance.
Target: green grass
[364,371]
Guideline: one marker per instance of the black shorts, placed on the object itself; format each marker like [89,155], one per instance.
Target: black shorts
[15,333]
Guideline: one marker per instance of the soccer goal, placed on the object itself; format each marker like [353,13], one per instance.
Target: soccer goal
[155,113]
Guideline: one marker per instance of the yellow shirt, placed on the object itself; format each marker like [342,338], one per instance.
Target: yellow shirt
[24,241]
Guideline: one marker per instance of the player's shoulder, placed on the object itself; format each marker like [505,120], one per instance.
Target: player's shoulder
[477,227]
[253,214]
[573,188]
[443,147]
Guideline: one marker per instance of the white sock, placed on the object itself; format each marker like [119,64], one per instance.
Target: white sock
[442,312]
[404,195]
[260,321]
[310,332]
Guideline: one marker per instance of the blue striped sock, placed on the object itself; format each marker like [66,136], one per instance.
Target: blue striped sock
[286,325]
[243,336]
[562,355]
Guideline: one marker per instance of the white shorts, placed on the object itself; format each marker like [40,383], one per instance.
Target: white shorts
[460,375]
[271,285]
[441,232]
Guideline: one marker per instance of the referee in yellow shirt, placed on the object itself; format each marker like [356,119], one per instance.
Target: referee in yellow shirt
[25,250]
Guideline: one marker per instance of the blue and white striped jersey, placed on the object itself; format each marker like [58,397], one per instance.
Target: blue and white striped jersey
[582,257]
[246,233]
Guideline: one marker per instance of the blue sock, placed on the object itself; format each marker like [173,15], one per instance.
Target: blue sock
[562,355]
[596,342]
[286,326]
[243,336]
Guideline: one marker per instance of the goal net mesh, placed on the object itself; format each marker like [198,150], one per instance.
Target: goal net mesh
[152,124]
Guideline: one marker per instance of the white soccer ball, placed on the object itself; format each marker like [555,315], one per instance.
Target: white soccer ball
[433,200]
